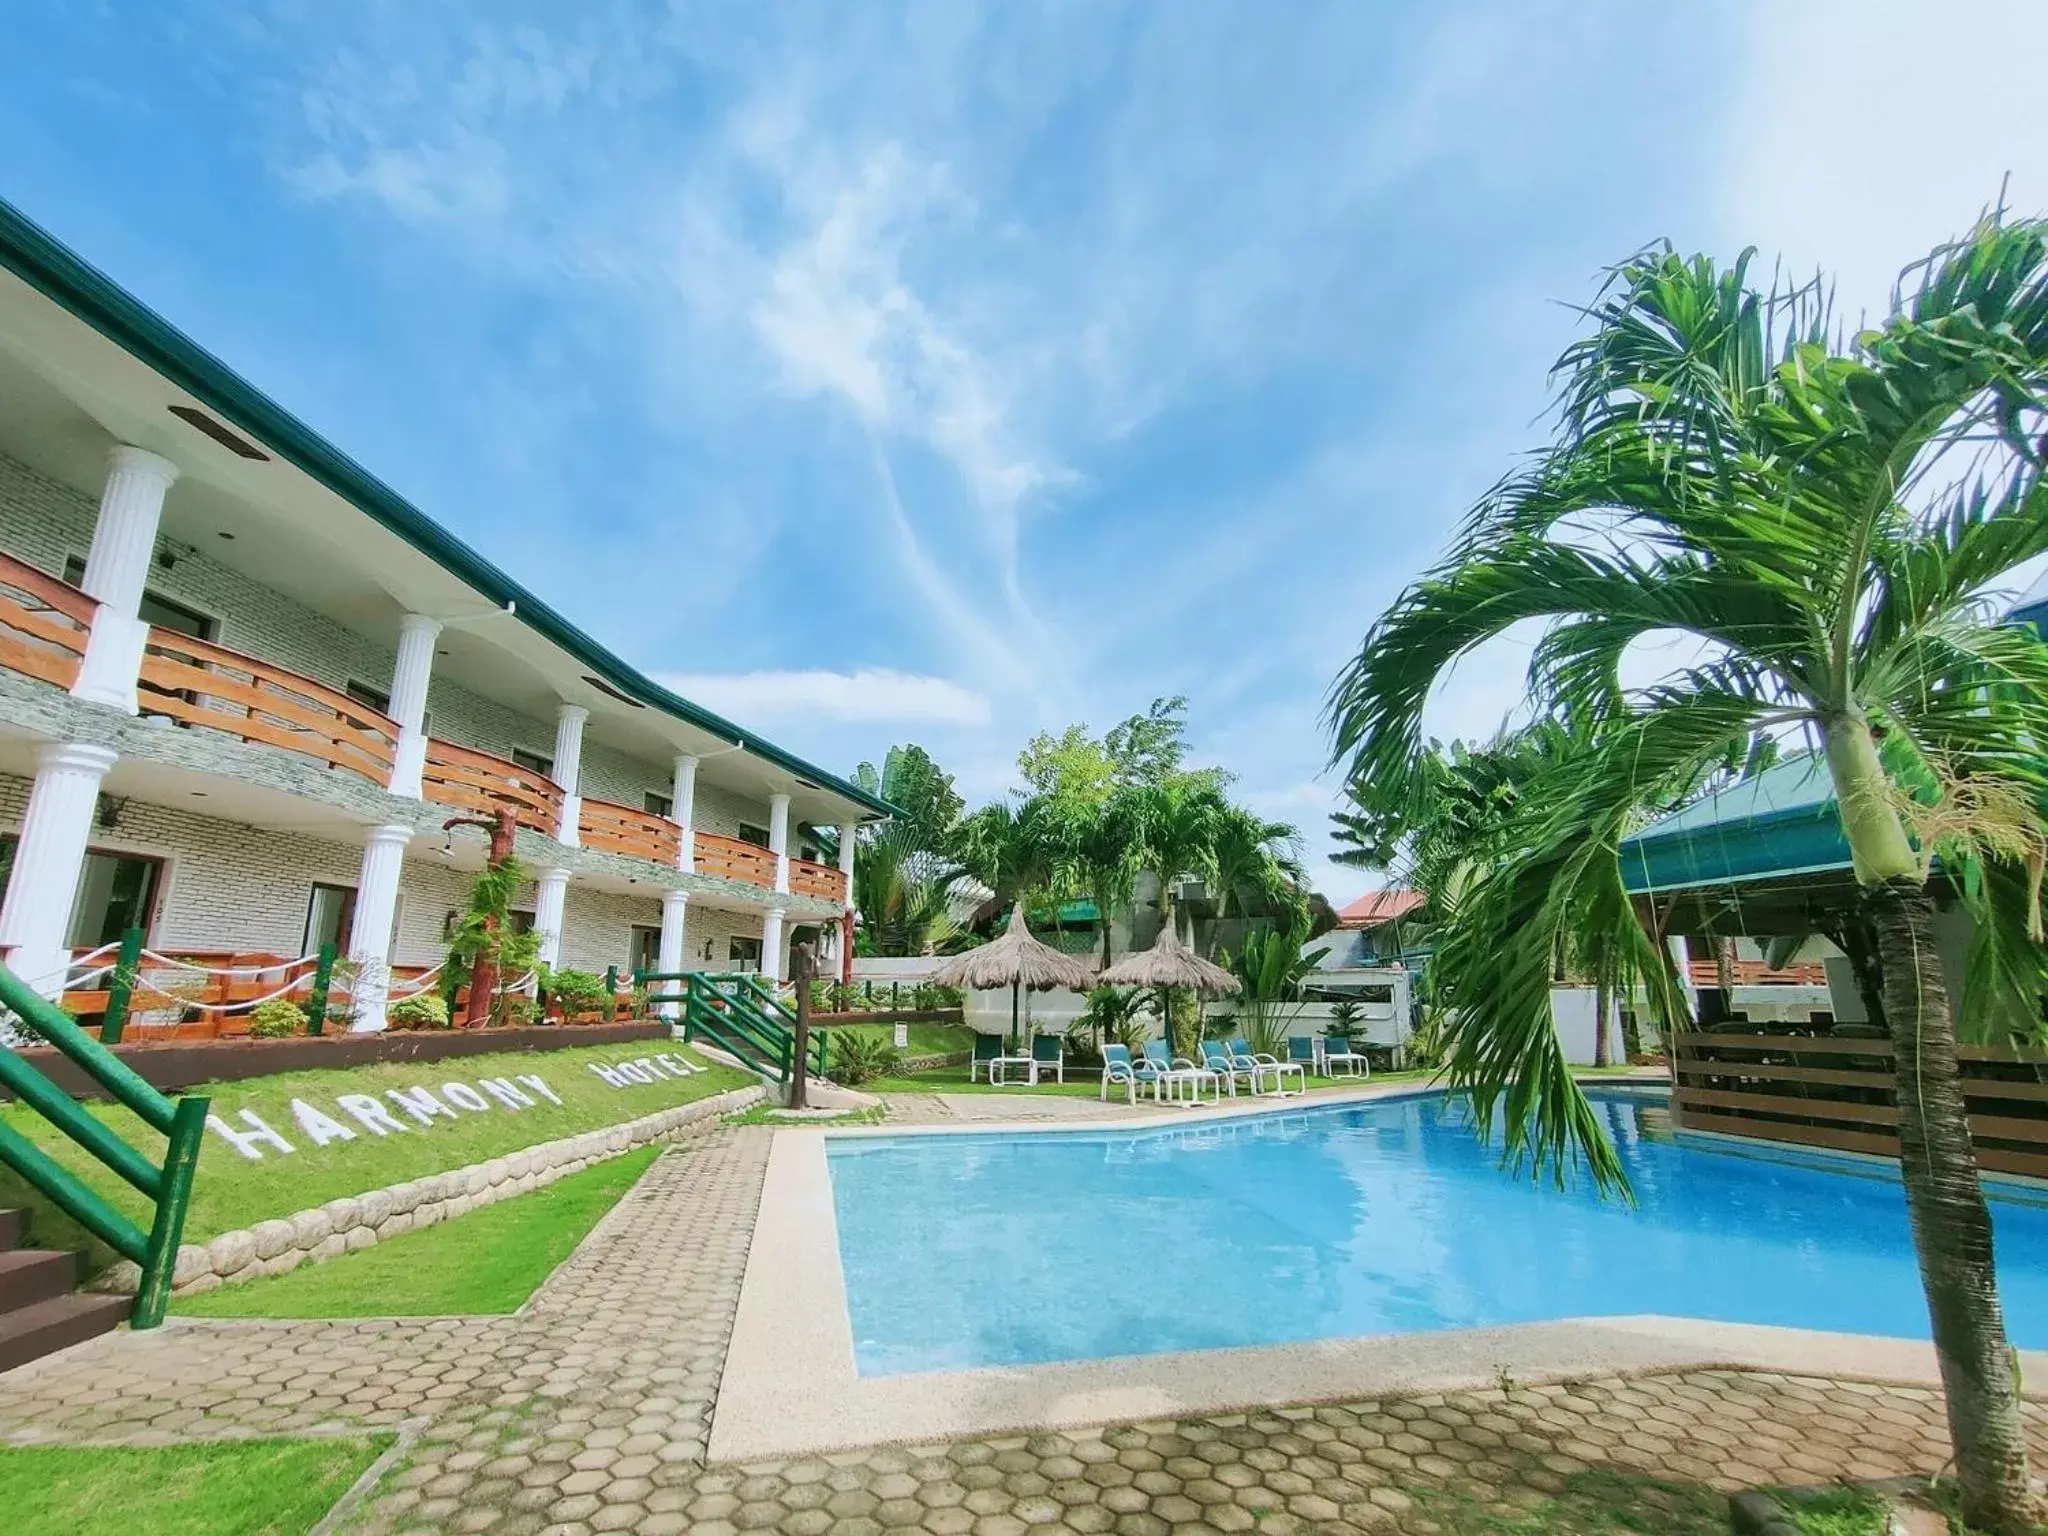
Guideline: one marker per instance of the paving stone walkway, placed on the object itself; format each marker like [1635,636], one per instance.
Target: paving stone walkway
[589,1412]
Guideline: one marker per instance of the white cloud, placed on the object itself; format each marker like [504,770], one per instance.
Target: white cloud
[870,695]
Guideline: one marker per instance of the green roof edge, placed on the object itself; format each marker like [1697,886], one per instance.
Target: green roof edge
[59,274]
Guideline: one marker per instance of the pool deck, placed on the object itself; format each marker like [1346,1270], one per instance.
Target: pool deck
[791,1386]
[601,1406]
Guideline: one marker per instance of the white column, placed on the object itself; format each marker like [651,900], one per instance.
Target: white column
[771,945]
[369,946]
[847,831]
[410,675]
[675,910]
[1681,959]
[54,832]
[682,810]
[569,770]
[116,566]
[547,915]
[778,839]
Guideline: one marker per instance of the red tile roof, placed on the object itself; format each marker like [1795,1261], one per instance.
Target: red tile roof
[1376,907]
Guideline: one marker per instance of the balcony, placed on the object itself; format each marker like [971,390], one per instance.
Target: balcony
[478,782]
[634,834]
[197,683]
[43,624]
[735,859]
[808,879]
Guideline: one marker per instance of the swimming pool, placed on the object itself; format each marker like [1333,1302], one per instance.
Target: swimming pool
[1024,1248]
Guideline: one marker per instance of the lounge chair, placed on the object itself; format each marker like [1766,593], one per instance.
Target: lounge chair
[1264,1066]
[1174,1070]
[1306,1052]
[1048,1052]
[1337,1051]
[988,1050]
[1119,1070]
[1217,1058]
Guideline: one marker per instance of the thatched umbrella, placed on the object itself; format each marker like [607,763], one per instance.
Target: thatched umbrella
[1016,960]
[1168,964]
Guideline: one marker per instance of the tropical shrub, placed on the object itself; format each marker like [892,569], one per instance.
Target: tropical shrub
[276,1019]
[573,991]
[857,1057]
[1270,967]
[1344,1016]
[1114,1016]
[423,1010]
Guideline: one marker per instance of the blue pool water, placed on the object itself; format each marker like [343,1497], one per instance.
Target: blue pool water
[964,1251]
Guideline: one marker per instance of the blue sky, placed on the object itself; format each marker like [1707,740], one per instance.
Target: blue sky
[944,373]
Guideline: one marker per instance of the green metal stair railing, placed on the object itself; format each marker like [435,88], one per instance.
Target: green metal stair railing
[169,1187]
[739,1015]
[770,1004]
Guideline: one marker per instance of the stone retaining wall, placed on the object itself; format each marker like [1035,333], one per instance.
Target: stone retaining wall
[357,1221]
[909,1064]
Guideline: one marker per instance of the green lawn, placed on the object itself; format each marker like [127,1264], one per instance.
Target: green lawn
[925,1039]
[231,1192]
[1594,1503]
[1838,1512]
[219,1488]
[488,1261]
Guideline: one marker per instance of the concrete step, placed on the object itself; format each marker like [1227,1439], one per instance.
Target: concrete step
[45,1327]
[30,1275]
[13,1227]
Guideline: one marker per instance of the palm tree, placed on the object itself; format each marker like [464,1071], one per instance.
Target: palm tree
[1016,851]
[1257,864]
[1176,824]
[902,891]
[1096,849]
[1823,520]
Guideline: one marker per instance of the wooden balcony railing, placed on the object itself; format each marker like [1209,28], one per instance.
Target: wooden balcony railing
[43,623]
[197,683]
[621,829]
[808,879]
[735,859]
[479,782]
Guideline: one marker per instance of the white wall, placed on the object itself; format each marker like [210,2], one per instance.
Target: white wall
[1573,1009]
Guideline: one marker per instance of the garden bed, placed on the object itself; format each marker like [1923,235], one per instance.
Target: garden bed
[173,1066]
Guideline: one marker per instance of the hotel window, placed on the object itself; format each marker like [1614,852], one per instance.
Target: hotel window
[656,804]
[116,892]
[749,833]
[743,954]
[533,762]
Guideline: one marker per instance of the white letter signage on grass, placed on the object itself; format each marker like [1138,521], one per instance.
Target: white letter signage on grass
[321,1128]
[420,1103]
[462,1096]
[246,1142]
[526,1090]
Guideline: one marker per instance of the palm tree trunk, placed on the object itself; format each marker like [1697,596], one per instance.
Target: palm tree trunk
[1937,1164]
[1600,1005]
[1951,1225]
